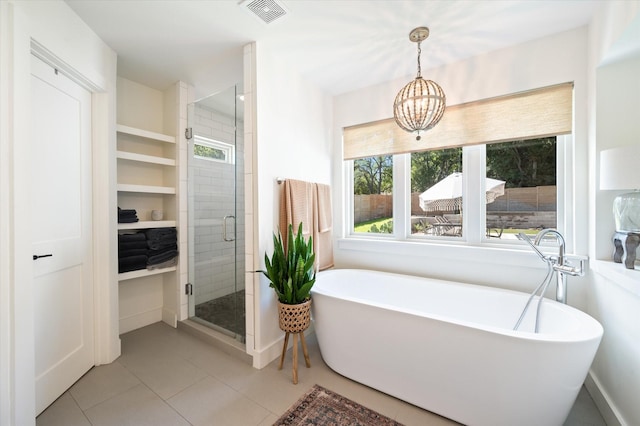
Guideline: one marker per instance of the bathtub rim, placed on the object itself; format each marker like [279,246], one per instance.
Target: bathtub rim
[589,329]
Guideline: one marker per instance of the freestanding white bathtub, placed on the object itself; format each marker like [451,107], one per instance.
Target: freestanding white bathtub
[450,348]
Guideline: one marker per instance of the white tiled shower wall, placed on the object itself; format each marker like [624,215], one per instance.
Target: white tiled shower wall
[218,191]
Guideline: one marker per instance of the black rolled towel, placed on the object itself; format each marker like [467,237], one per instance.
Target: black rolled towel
[127,215]
[132,245]
[138,236]
[160,233]
[133,252]
[127,219]
[161,245]
[127,212]
[134,267]
[167,264]
[170,247]
[162,257]
[132,263]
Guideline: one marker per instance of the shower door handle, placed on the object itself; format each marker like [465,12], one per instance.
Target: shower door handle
[224,228]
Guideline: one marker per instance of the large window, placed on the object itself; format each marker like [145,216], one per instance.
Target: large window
[490,173]
[520,193]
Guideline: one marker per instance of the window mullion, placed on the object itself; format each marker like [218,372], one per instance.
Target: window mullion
[348,217]
[473,186]
[565,189]
[401,195]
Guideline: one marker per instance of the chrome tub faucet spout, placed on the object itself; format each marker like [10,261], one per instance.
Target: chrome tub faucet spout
[555,265]
[558,264]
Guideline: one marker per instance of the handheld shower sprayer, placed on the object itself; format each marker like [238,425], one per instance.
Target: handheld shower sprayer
[524,237]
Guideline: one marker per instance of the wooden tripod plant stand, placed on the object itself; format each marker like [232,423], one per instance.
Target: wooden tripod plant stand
[295,319]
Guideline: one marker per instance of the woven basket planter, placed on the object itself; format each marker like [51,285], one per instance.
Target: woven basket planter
[294,318]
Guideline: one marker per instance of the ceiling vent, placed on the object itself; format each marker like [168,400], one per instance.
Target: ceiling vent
[266,10]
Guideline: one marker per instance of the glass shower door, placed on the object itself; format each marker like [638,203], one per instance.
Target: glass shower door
[216,213]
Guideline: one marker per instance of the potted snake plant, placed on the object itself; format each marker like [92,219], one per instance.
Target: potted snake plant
[291,274]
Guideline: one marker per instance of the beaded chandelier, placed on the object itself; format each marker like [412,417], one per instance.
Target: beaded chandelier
[419,106]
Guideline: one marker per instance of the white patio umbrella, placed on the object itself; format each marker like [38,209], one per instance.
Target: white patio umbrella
[446,195]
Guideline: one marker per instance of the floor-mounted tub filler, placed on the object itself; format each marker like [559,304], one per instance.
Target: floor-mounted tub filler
[450,348]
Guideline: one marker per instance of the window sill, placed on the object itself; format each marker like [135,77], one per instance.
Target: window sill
[628,279]
[482,253]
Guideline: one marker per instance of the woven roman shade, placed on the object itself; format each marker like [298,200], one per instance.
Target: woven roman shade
[532,114]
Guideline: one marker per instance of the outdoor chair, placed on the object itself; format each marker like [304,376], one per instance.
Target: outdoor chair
[426,225]
[445,227]
[495,230]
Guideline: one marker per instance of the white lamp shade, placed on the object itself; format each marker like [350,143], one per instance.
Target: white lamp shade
[620,168]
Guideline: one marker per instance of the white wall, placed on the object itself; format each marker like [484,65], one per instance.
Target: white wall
[548,61]
[140,106]
[54,26]
[614,292]
[293,123]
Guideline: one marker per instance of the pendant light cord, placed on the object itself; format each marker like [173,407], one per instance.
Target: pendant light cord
[419,68]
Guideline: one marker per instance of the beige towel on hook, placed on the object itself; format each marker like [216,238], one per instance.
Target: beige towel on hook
[322,236]
[309,203]
[296,205]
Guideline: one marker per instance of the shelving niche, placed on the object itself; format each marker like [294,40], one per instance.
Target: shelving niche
[148,179]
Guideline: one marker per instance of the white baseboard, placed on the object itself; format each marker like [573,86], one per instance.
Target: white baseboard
[139,320]
[602,401]
[170,317]
[262,358]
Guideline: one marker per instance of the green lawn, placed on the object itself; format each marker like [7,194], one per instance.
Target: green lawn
[366,226]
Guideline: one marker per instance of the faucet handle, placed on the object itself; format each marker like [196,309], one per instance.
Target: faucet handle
[567,268]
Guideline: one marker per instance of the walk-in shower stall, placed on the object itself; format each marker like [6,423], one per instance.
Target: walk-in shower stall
[216,212]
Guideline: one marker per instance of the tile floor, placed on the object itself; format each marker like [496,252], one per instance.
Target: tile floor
[226,312]
[166,376]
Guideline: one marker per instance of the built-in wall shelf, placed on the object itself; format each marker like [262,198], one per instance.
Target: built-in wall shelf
[148,163]
[145,134]
[147,224]
[629,279]
[149,189]
[144,273]
[132,156]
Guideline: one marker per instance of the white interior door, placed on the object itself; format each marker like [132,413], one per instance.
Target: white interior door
[61,231]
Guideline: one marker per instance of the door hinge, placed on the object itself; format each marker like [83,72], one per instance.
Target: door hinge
[188,289]
[188,132]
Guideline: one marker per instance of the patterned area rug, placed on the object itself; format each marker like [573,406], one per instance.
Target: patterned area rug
[321,407]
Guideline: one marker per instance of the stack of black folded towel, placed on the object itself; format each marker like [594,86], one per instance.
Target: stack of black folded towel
[132,252]
[127,215]
[163,247]
[151,249]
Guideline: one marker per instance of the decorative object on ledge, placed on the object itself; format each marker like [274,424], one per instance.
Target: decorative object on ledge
[625,244]
[420,104]
[619,170]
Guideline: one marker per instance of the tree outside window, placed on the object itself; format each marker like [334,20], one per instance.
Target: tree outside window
[373,194]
